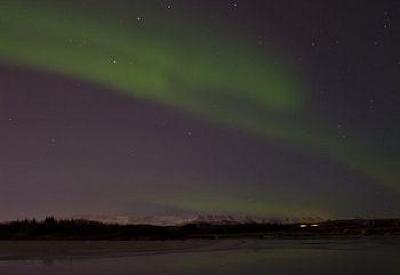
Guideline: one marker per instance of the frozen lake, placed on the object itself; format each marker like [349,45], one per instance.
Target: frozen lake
[360,256]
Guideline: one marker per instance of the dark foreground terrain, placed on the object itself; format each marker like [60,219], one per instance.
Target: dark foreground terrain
[52,229]
[371,255]
[58,247]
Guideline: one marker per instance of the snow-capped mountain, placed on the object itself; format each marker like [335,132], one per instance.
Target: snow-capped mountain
[172,220]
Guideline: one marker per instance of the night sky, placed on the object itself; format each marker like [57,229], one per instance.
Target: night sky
[265,108]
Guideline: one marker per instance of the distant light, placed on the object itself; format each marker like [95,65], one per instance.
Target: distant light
[314,225]
[303,225]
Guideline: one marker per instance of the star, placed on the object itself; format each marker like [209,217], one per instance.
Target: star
[53,140]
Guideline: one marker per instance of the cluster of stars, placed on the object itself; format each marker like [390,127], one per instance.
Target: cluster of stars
[341,132]
[386,24]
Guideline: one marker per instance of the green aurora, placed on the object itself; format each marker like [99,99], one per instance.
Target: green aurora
[208,73]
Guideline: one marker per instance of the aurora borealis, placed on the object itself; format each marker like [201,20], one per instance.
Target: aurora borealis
[154,106]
